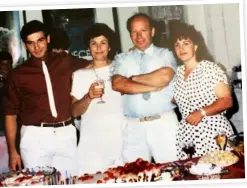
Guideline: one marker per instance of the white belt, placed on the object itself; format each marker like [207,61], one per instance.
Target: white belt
[150,118]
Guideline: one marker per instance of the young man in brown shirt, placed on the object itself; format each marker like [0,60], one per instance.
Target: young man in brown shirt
[48,137]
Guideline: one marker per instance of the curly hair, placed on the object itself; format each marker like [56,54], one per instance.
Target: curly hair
[185,31]
[99,29]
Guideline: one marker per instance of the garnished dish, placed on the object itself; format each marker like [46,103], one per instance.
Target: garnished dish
[34,176]
[207,171]
[219,158]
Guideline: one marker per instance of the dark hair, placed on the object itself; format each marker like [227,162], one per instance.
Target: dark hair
[59,39]
[99,29]
[33,27]
[185,31]
[4,55]
[139,15]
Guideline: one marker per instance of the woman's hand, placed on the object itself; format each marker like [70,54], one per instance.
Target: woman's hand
[194,118]
[95,92]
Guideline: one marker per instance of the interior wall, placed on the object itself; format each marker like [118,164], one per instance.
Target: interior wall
[123,14]
[219,24]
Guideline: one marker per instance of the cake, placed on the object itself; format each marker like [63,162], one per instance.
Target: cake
[27,177]
[137,171]
[95,178]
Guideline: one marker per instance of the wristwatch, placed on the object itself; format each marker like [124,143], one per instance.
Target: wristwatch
[203,112]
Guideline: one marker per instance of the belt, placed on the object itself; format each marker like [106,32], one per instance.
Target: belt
[55,125]
[150,118]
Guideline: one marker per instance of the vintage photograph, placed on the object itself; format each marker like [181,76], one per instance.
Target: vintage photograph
[111,95]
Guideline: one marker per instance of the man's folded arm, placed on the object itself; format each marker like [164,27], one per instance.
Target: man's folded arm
[125,85]
[158,78]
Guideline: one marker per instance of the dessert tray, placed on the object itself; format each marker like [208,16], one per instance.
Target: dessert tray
[138,171]
[26,177]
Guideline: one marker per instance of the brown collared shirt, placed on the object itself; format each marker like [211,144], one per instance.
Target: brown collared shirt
[26,92]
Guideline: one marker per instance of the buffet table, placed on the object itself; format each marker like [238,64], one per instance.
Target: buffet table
[136,171]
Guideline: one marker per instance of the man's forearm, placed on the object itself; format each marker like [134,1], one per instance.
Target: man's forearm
[127,86]
[10,131]
[158,78]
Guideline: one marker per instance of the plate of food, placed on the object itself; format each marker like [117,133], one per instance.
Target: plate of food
[205,169]
[219,158]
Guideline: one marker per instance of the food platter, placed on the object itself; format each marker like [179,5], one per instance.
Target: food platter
[219,158]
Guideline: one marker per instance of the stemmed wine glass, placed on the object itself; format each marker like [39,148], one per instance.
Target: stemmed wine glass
[101,84]
[221,140]
[189,149]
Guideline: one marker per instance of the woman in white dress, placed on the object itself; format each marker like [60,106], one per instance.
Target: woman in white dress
[100,107]
[201,92]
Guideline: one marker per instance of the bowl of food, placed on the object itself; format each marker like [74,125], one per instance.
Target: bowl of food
[237,143]
[206,171]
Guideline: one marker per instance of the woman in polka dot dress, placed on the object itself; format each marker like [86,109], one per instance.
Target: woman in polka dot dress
[201,92]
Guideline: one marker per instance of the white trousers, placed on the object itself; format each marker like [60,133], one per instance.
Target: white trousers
[148,139]
[4,156]
[48,146]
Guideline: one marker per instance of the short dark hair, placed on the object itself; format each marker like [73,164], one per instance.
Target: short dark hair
[182,30]
[33,27]
[139,15]
[99,29]
[5,56]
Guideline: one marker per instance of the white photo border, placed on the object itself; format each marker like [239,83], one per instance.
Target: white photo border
[243,30]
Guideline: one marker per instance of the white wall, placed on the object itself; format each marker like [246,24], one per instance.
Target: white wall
[219,24]
[104,15]
[123,14]
[34,15]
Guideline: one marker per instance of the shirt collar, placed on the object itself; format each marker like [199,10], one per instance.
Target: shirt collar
[148,51]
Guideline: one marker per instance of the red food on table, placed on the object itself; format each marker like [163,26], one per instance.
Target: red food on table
[84,178]
[99,181]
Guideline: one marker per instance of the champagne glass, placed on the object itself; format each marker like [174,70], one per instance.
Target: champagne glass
[221,140]
[189,149]
[101,84]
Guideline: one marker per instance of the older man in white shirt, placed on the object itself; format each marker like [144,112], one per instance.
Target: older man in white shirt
[145,77]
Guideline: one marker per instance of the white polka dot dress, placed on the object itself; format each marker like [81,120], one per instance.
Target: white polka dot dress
[192,94]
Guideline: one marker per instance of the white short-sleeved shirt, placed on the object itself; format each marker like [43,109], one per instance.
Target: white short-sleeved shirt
[128,64]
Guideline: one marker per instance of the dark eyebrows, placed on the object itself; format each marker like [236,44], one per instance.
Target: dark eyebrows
[40,39]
